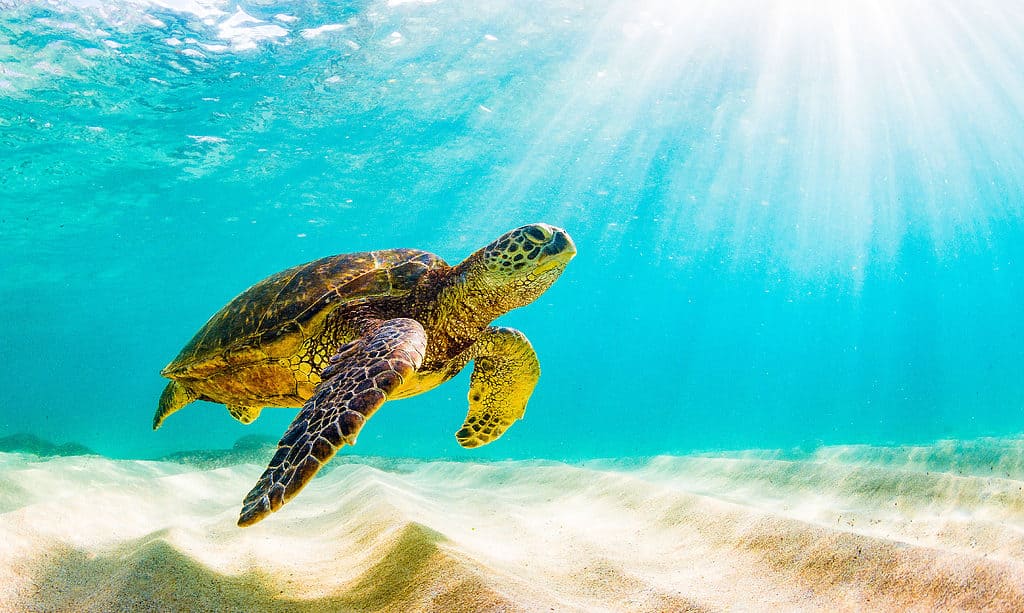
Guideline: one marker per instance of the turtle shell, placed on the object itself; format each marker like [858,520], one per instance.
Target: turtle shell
[272,318]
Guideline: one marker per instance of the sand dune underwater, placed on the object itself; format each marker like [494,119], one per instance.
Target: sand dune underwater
[939,527]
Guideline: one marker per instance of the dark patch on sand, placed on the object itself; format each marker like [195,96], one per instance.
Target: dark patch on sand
[24,442]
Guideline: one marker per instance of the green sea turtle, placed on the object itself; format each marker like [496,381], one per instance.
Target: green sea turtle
[341,335]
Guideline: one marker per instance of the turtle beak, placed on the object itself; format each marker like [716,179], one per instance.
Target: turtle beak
[558,250]
[561,244]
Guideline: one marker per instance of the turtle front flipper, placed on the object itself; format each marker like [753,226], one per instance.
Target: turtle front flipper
[358,381]
[505,372]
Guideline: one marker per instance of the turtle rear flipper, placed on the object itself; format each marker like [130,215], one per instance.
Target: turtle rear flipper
[244,414]
[361,376]
[175,396]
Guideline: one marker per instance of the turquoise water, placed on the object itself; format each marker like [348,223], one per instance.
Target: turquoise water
[798,223]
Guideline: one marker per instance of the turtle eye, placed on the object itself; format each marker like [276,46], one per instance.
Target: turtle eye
[537,234]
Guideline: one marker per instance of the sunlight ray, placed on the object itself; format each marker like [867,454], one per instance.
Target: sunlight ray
[812,135]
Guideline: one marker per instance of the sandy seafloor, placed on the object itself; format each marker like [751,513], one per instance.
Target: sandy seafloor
[856,528]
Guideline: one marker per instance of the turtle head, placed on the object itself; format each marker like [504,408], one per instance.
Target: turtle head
[521,264]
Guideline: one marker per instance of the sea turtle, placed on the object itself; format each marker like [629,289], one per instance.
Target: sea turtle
[341,335]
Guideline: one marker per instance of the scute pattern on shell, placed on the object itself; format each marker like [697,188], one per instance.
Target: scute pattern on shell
[282,304]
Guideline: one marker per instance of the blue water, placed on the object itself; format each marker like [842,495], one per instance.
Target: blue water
[799,223]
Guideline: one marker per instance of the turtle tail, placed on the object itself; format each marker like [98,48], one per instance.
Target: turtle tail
[175,396]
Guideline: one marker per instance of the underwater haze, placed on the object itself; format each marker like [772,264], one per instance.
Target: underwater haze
[783,372]
[799,223]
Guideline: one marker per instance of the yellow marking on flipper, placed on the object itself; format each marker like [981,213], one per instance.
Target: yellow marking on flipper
[504,375]
[175,396]
[246,415]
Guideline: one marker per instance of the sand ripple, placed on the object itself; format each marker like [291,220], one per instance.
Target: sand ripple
[847,528]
